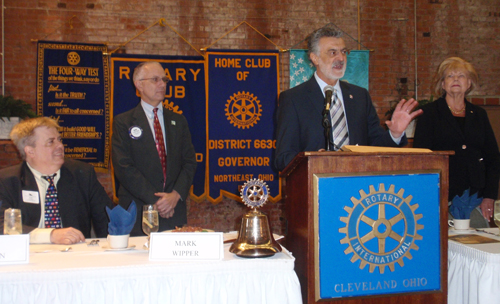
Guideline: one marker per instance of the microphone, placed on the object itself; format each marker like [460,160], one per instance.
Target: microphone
[328,96]
[326,110]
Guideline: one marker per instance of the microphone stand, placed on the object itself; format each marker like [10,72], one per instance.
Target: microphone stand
[327,124]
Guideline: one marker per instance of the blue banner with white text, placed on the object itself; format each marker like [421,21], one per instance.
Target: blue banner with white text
[243,88]
[73,88]
[185,95]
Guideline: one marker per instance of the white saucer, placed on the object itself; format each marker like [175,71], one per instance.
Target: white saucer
[462,231]
[118,249]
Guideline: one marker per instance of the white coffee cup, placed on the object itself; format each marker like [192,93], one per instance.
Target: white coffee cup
[118,241]
[459,224]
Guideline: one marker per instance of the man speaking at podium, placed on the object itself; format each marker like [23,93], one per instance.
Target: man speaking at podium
[325,113]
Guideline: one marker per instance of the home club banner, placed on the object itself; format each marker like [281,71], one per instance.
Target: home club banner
[243,89]
[73,88]
[185,95]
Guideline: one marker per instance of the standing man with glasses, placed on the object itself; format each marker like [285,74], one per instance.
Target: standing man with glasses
[61,198]
[153,156]
[354,120]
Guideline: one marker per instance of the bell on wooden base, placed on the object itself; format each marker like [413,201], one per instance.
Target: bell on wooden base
[255,238]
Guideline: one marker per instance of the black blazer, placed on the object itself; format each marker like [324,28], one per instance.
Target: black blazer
[476,163]
[137,165]
[300,121]
[82,199]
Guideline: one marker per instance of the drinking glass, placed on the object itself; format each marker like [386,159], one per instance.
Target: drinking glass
[496,213]
[150,221]
[12,221]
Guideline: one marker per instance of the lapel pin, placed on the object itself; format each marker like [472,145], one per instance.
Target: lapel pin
[172,122]
[135,132]
[350,96]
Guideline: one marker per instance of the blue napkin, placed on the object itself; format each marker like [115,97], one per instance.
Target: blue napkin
[462,206]
[121,221]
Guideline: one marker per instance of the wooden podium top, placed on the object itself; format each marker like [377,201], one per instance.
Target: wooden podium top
[376,151]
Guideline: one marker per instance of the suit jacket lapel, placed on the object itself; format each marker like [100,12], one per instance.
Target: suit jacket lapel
[171,132]
[316,96]
[65,193]
[449,118]
[469,121]
[140,119]
[28,183]
[350,107]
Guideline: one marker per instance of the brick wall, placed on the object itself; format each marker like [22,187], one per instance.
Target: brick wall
[8,154]
[444,28]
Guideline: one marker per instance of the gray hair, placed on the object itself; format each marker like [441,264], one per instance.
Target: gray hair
[140,66]
[326,31]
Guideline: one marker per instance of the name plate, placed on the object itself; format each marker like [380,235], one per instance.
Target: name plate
[14,249]
[182,246]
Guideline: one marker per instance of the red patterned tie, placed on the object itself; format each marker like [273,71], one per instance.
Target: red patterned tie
[52,217]
[160,145]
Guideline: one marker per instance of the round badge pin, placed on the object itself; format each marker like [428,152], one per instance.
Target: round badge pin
[135,132]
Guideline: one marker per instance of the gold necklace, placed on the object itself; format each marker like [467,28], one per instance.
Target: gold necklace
[457,112]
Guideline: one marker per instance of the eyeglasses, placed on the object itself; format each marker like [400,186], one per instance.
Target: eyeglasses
[157,79]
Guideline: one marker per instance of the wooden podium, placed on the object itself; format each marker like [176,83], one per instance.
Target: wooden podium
[300,213]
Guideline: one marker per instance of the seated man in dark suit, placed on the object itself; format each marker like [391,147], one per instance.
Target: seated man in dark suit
[61,198]
[354,120]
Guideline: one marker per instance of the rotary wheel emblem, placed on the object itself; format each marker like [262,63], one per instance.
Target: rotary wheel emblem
[381,228]
[243,110]
[254,193]
[73,58]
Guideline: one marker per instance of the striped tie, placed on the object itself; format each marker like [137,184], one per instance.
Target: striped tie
[339,123]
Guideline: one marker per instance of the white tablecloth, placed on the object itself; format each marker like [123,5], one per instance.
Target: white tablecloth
[474,272]
[93,275]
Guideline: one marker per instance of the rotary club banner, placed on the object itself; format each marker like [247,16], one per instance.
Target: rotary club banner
[73,88]
[301,68]
[243,88]
[378,230]
[185,95]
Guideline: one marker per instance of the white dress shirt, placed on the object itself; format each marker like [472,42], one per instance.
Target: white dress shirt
[42,234]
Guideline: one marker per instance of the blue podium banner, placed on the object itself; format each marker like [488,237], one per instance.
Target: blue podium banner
[243,88]
[377,234]
[185,95]
[73,88]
